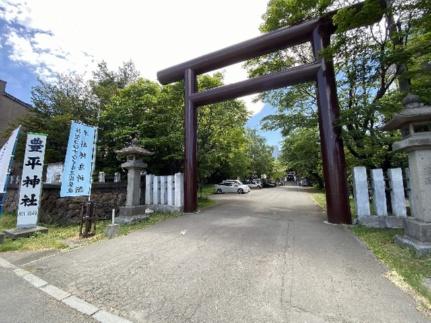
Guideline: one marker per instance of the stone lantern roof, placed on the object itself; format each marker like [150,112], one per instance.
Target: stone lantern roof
[414,111]
[134,150]
[414,122]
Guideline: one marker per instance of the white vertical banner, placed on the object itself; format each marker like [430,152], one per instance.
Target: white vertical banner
[6,153]
[78,165]
[31,181]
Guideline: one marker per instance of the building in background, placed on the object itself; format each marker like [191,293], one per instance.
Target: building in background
[11,109]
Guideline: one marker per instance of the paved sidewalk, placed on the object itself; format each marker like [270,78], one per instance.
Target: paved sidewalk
[262,257]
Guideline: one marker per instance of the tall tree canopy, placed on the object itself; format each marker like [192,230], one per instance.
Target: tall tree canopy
[260,155]
[375,66]
[125,106]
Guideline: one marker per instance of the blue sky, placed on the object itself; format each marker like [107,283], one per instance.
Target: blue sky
[273,137]
[20,76]
[41,38]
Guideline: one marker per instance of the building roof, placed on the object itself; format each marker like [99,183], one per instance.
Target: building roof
[11,97]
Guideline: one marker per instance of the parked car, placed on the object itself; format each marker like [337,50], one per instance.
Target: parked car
[253,184]
[304,182]
[291,176]
[269,184]
[231,186]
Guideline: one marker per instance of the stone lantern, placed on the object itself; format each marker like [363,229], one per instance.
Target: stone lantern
[415,124]
[134,165]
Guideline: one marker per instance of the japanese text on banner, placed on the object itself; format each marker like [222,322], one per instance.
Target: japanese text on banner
[77,173]
[31,181]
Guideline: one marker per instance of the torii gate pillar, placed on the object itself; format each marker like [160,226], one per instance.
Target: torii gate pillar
[334,164]
[190,143]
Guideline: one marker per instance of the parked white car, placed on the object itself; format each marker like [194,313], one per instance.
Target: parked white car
[253,184]
[231,186]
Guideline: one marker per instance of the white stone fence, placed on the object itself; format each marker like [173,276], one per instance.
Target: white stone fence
[164,191]
[380,217]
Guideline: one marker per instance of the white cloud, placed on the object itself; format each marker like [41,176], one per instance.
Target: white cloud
[74,35]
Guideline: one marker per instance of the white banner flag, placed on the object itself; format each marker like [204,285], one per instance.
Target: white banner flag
[6,153]
[78,165]
[31,181]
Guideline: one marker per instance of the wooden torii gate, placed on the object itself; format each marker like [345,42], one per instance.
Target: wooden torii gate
[317,31]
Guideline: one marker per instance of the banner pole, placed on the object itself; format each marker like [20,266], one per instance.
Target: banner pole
[12,158]
[93,163]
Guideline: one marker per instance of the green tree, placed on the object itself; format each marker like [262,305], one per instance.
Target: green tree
[259,154]
[221,136]
[301,153]
[105,83]
[125,108]
[152,114]
[370,62]
[279,168]
[71,97]
[56,103]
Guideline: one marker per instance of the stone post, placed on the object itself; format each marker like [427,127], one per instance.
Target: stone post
[420,182]
[360,191]
[398,200]
[156,190]
[117,177]
[379,194]
[148,189]
[133,186]
[409,187]
[101,177]
[179,190]
[171,192]
[163,187]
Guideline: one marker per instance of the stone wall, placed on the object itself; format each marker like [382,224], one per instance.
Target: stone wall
[54,209]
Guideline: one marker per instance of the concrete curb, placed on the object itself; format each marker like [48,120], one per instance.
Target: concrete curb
[66,298]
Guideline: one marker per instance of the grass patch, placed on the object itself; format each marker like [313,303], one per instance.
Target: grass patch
[319,197]
[206,190]
[204,202]
[402,260]
[7,221]
[203,196]
[61,237]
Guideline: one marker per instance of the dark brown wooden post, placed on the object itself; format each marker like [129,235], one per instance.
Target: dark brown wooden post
[334,165]
[190,143]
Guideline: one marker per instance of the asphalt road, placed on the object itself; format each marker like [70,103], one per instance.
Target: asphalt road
[262,257]
[22,303]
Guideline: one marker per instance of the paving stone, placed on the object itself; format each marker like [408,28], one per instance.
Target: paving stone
[80,305]
[6,264]
[20,272]
[34,280]
[55,292]
[106,317]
